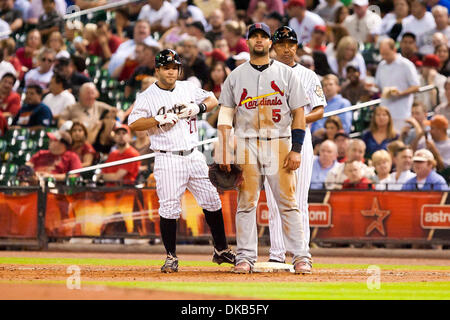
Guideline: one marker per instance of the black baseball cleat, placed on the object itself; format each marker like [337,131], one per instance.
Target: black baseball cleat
[277,261]
[171,264]
[224,256]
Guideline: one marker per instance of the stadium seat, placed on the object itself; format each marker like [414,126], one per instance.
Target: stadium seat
[22,157]
[37,134]
[18,134]
[3,145]
[9,169]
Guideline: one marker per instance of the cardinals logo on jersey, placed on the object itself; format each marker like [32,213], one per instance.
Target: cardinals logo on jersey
[274,86]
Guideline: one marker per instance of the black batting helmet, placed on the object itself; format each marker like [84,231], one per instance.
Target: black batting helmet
[284,33]
[167,56]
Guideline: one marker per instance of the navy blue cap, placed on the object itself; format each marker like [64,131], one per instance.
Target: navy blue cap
[258,26]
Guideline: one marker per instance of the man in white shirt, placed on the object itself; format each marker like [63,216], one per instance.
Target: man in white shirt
[420,21]
[398,80]
[37,10]
[58,98]
[42,74]
[403,163]
[161,14]
[4,29]
[302,20]
[327,9]
[363,25]
[126,50]
[425,41]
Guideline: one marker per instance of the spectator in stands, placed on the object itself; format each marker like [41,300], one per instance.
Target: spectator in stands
[8,48]
[101,136]
[381,131]
[88,110]
[57,160]
[193,61]
[33,114]
[142,145]
[186,8]
[403,163]
[222,45]
[327,10]
[216,55]
[217,75]
[258,14]
[437,141]
[442,51]
[125,173]
[425,41]
[122,26]
[56,43]
[23,6]
[397,78]
[274,20]
[10,101]
[341,139]
[420,21]
[81,146]
[426,178]
[228,7]
[58,98]
[67,68]
[50,20]
[105,44]
[430,76]
[444,107]
[332,126]
[382,162]
[323,163]
[318,38]
[301,20]
[11,15]
[30,51]
[347,53]
[340,15]
[355,89]
[42,75]
[414,124]
[337,33]
[146,67]
[331,88]
[355,152]
[37,10]
[232,33]
[4,29]
[216,22]
[196,30]
[272,6]
[3,124]
[354,171]
[391,24]
[363,25]
[161,15]
[125,51]
[408,48]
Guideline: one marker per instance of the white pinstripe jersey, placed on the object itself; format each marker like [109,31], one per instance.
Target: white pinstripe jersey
[156,101]
[312,86]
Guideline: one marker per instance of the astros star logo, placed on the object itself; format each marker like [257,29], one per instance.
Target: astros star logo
[285,32]
[375,211]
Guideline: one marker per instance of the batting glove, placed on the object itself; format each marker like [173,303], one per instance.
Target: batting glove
[189,110]
[168,118]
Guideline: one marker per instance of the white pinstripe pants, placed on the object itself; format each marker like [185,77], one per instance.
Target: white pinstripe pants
[303,175]
[174,173]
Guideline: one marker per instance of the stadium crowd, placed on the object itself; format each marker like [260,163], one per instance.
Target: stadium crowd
[67,85]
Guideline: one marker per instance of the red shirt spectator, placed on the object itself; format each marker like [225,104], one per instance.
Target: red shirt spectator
[363,184]
[95,48]
[26,61]
[240,46]
[3,124]
[10,102]
[125,172]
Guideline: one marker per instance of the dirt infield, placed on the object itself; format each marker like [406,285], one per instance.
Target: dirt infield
[31,274]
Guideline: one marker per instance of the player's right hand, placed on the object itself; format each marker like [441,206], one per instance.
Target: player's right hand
[168,118]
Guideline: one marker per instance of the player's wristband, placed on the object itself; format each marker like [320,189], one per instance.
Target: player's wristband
[298,136]
[202,107]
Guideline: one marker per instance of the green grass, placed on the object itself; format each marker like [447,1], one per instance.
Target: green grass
[143,262]
[290,290]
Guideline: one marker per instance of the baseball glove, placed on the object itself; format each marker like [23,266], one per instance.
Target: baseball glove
[223,180]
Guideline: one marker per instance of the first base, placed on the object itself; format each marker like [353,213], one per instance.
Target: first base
[272,267]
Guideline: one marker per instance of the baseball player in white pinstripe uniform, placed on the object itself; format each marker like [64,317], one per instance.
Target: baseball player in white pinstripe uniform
[285,45]
[169,108]
[265,99]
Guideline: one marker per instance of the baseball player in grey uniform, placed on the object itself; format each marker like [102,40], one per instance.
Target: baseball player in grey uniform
[285,44]
[169,108]
[265,99]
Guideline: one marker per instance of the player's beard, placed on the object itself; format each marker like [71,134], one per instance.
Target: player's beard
[259,53]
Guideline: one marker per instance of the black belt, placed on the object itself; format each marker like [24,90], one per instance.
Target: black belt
[178,153]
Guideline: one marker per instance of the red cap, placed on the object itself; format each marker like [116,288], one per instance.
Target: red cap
[320,28]
[217,54]
[291,3]
[123,127]
[431,60]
